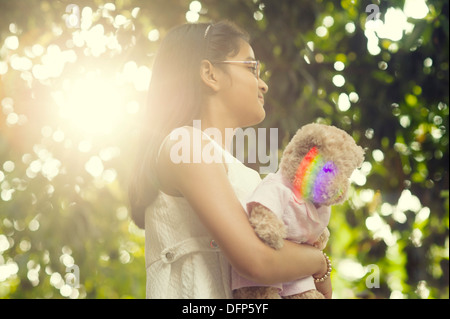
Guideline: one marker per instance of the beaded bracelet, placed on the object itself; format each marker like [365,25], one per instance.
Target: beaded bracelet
[328,269]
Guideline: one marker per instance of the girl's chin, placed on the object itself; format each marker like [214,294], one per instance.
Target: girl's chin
[258,118]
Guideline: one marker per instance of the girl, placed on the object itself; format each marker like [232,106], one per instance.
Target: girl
[195,225]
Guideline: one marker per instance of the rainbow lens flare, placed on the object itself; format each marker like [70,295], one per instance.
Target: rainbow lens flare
[312,177]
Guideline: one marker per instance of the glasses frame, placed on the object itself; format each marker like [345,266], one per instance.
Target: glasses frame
[257,65]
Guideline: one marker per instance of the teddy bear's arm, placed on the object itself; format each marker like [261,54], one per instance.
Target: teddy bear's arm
[322,241]
[268,226]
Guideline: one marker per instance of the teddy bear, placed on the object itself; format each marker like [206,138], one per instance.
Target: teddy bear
[294,203]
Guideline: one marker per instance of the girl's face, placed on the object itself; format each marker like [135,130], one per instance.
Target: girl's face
[244,91]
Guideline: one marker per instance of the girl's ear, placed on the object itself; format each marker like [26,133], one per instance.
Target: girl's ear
[209,76]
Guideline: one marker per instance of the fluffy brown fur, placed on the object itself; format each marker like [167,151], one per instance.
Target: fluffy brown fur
[310,294]
[256,293]
[268,226]
[333,144]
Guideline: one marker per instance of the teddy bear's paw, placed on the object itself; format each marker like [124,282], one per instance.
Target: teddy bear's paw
[256,293]
[322,241]
[310,294]
[268,226]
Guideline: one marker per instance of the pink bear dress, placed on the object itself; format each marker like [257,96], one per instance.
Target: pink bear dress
[304,223]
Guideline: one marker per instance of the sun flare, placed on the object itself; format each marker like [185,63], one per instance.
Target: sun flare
[92,104]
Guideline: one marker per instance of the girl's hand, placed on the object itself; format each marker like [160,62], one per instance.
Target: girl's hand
[325,288]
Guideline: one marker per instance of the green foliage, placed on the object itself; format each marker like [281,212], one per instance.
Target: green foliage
[64,179]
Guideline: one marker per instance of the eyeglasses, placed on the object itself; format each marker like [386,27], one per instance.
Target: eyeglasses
[254,66]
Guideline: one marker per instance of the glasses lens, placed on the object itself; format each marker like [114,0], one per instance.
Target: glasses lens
[255,68]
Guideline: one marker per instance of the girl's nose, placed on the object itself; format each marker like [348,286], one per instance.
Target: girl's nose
[263,86]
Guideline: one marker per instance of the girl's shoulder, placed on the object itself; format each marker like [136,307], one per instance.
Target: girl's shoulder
[186,149]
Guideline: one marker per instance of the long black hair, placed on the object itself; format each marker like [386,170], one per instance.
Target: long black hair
[175,97]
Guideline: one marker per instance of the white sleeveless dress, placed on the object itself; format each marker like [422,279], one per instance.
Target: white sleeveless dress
[182,259]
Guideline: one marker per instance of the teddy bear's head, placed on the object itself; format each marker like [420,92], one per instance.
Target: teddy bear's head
[318,162]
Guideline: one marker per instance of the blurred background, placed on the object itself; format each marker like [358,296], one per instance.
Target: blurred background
[73,81]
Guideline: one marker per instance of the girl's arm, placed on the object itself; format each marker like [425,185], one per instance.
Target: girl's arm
[207,188]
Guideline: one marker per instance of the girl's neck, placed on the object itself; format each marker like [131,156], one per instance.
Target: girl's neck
[223,134]
[215,115]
